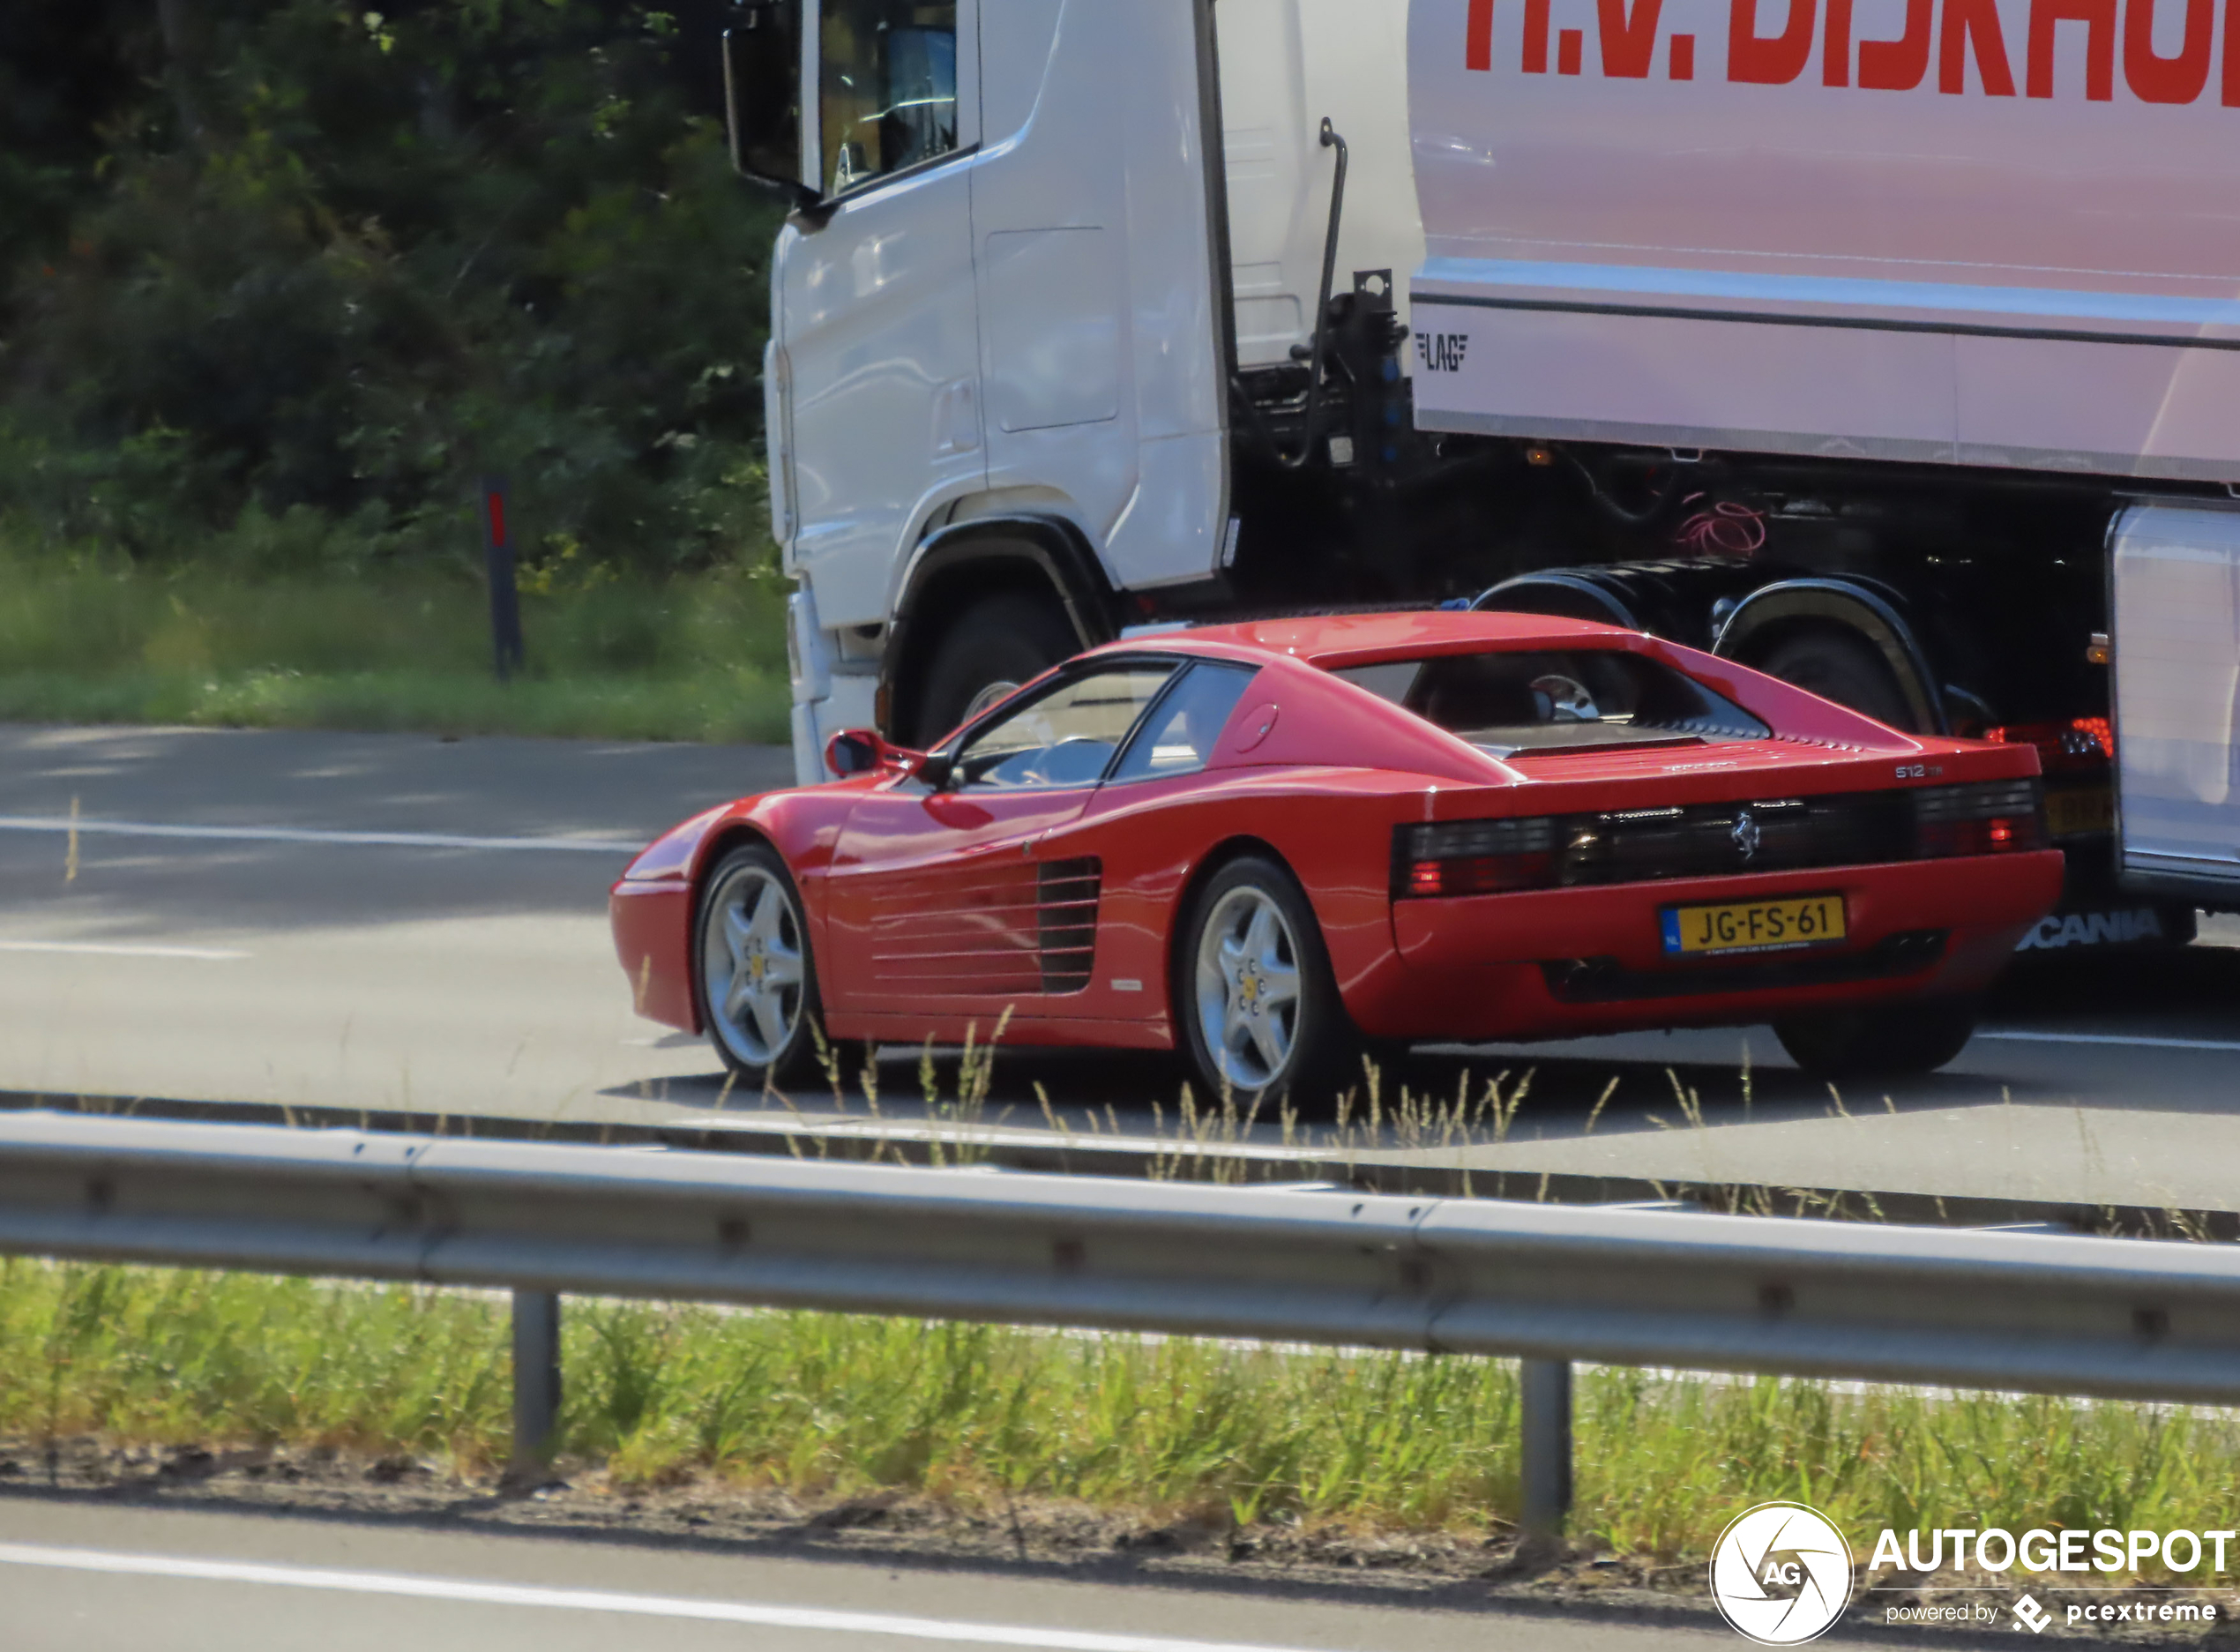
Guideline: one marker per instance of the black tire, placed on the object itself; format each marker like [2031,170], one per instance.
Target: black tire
[1841,666]
[1887,1041]
[997,644]
[742,881]
[1321,1048]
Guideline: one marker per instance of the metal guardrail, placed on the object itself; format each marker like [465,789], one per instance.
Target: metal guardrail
[1549,1284]
[1393,1166]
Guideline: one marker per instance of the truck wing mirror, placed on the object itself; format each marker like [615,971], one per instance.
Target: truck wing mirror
[762,98]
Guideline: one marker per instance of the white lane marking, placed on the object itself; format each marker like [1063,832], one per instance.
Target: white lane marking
[2140,1042]
[103,949]
[307,835]
[597,1600]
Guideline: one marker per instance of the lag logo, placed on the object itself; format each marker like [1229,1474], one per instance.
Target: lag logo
[1781,1574]
[1442,352]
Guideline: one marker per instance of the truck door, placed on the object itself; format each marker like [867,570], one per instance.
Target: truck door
[1104,336]
[877,307]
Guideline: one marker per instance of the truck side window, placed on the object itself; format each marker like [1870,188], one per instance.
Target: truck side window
[889,94]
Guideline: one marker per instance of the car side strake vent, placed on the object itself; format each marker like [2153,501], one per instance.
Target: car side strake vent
[1067,908]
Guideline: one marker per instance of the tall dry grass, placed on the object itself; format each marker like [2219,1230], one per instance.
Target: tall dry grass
[833,1403]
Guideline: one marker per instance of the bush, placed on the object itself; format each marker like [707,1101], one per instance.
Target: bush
[283,314]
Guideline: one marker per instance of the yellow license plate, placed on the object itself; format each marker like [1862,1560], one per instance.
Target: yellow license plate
[1754,926]
[2077,809]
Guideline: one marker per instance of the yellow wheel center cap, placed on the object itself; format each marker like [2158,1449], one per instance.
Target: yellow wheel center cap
[1249,990]
[755,965]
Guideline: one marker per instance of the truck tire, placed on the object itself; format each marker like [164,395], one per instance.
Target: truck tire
[1841,666]
[991,648]
[1891,1041]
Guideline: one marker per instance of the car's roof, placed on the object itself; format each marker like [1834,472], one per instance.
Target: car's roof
[1334,640]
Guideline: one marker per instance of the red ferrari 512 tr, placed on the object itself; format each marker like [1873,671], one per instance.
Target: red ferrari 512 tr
[1272,845]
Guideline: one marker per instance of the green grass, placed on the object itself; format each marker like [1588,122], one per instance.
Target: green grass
[694,657]
[818,1403]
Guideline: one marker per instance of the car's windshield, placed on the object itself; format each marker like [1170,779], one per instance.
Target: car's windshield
[1557,701]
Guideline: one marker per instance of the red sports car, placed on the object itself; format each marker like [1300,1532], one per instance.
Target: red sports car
[1274,845]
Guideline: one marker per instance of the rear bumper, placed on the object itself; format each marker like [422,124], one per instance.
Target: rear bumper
[1561,963]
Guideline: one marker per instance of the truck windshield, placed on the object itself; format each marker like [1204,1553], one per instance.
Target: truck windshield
[1547,702]
[889,88]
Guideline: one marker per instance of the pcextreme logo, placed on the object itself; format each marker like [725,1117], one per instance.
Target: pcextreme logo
[1781,1574]
[1953,34]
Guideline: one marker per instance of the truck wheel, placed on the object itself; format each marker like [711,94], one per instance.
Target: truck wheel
[992,648]
[1893,1040]
[1840,666]
[1260,1014]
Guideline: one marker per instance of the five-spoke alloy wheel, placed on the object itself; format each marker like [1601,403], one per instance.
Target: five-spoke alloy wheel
[1259,1010]
[1248,988]
[753,970]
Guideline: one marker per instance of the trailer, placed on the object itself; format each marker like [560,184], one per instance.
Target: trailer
[1892,347]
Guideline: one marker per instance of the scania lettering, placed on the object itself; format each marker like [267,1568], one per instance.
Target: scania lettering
[1889,347]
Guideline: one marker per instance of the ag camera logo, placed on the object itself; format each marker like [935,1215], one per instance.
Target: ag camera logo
[1781,1574]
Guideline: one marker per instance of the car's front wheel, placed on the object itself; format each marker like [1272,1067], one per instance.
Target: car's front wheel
[1260,1011]
[1888,1041]
[755,975]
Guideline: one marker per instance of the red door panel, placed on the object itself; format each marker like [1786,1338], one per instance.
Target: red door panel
[937,899]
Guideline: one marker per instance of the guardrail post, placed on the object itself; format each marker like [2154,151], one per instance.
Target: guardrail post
[1544,1399]
[536,1379]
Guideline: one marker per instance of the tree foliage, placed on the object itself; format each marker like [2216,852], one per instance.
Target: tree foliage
[292,273]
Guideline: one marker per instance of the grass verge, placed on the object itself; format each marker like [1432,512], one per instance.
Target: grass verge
[693,657]
[1253,1438]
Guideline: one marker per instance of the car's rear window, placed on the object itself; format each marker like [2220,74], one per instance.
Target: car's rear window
[1557,701]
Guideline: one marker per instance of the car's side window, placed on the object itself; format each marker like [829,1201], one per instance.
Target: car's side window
[1178,737]
[1066,737]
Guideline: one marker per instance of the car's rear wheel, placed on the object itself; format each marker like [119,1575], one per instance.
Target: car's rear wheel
[1887,1041]
[999,644]
[1260,1013]
[755,975]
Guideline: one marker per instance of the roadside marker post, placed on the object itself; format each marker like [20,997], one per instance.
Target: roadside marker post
[1544,1406]
[505,595]
[537,1380]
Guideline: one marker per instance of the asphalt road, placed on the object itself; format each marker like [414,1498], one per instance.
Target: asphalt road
[89,1577]
[255,949]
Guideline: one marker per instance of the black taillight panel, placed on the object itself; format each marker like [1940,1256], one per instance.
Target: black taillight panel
[1467,857]
[2001,817]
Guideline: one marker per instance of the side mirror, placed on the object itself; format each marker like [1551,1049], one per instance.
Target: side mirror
[863,750]
[762,71]
[856,752]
